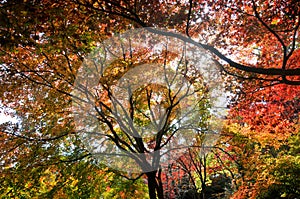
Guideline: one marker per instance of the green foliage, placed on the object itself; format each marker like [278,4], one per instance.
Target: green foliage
[80,180]
[285,173]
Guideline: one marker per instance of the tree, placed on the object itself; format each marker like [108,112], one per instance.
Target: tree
[43,44]
[261,171]
[46,119]
[263,121]
[143,106]
[220,25]
[204,171]
[40,53]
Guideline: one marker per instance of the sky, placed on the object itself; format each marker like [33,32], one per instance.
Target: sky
[4,116]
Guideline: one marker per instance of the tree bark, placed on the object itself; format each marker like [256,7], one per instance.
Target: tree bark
[154,187]
[160,188]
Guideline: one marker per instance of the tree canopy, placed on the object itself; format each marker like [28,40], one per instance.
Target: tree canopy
[253,44]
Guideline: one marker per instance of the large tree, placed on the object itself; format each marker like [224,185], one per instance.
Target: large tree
[43,44]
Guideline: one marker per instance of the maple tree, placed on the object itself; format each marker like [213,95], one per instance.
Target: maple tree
[258,149]
[43,43]
[254,29]
[263,121]
[40,53]
[261,170]
[146,120]
[202,172]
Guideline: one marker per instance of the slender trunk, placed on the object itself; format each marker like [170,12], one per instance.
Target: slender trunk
[204,177]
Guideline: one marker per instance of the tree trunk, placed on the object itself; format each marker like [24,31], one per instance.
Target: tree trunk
[160,188]
[155,188]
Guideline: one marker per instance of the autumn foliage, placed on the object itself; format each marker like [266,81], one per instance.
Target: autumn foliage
[254,43]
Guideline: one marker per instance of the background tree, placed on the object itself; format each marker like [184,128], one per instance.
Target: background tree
[263,121]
